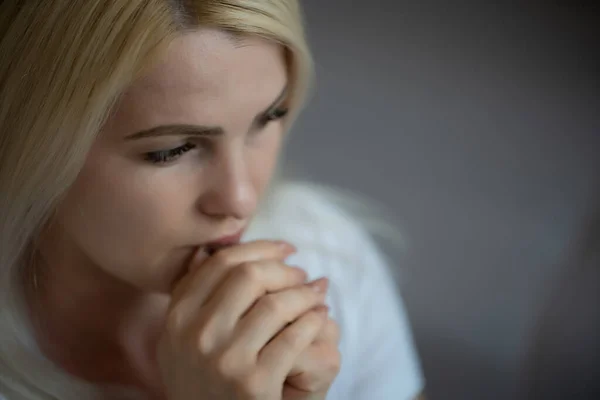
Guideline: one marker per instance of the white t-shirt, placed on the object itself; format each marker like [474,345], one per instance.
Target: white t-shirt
[379,360]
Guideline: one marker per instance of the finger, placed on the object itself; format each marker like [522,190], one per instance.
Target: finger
[183,280]
[316,367]
[250,251]
[245,284]
[241,289]
[330,333]
[281,353]
[206,274]
[278,356]
[273,312]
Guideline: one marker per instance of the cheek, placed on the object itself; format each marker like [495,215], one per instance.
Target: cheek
[264,155]
[126,217]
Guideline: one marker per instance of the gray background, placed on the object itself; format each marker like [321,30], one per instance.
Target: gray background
[478,127]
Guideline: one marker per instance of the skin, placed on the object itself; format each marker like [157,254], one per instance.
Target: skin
[129,229]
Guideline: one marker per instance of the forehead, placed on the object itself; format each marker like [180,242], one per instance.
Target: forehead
[206,77]
[213,62]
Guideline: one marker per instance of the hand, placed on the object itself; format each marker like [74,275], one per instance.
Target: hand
[316,368]
[237,324]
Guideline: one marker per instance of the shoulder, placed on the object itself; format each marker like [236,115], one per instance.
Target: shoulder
[333,241]
[324,231]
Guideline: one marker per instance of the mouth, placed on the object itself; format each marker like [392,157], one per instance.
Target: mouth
[226,241]
[209,248]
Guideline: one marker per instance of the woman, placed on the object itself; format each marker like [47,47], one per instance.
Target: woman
[138,139]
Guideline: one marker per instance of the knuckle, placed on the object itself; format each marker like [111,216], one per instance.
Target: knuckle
[333,329]
[202,336]
[311,295]
[222,257]
[292,338]
[204,342]
[316,320]
[225,365]
[175,320]
[233,364]
[313,381]
[249,271]
[271,305]
[313,385]
[255,385]
[315,324]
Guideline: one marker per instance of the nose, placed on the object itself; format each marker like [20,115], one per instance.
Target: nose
[231,192]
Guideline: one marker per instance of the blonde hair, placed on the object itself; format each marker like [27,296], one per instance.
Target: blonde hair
[63,65]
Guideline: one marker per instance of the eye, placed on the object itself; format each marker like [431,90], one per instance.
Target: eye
[274,115]
[167,156]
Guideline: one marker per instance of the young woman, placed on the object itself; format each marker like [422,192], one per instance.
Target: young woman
[138,142]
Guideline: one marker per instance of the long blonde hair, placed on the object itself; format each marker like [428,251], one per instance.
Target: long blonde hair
[63,65]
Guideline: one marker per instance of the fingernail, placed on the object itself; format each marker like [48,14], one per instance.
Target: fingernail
[201,255]
[197,259]
[319,285]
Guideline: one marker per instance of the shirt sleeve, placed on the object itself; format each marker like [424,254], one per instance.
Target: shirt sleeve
[380,361]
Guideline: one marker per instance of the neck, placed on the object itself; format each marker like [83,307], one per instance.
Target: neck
[97,328]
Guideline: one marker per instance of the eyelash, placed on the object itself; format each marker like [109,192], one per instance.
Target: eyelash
[167,156]
[274,115]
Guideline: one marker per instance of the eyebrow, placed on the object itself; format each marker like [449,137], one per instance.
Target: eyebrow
[198,130]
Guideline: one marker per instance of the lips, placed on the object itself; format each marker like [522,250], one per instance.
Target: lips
[225,241]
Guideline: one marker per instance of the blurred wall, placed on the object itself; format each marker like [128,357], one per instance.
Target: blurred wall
[479,127]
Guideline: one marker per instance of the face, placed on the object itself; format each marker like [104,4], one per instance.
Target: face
[182,161]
